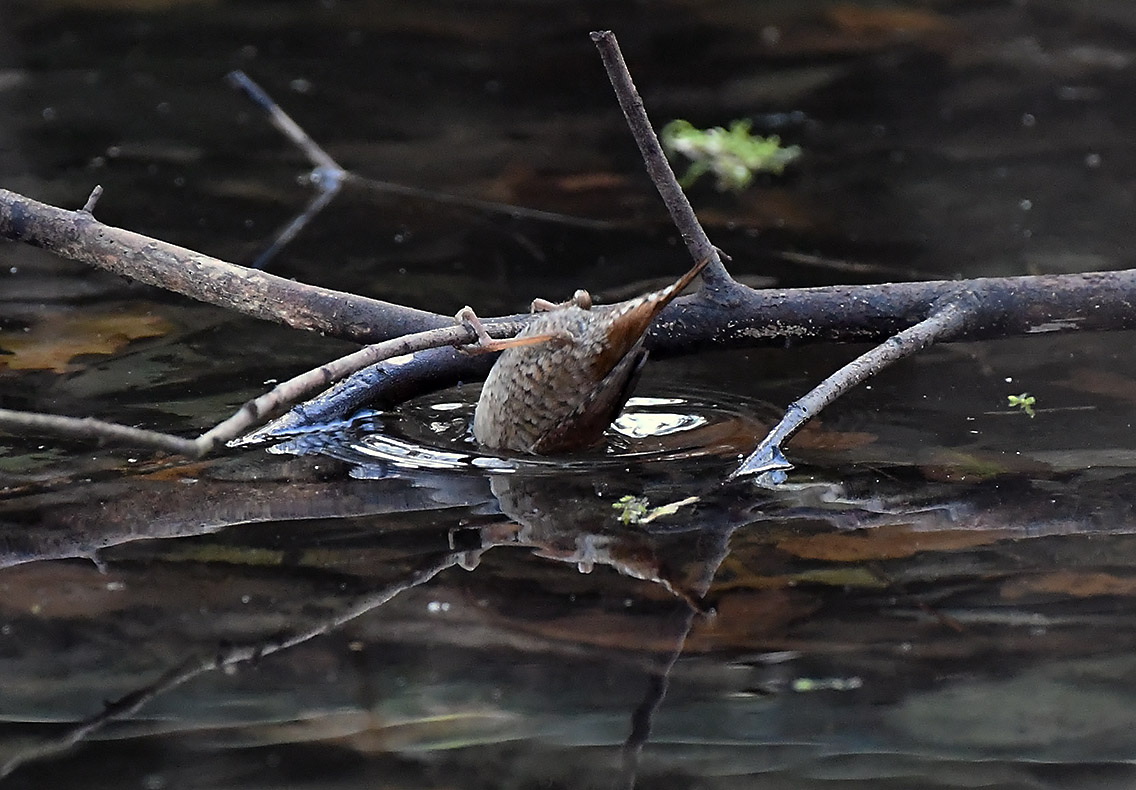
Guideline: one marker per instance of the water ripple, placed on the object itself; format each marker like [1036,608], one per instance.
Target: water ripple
[433,433]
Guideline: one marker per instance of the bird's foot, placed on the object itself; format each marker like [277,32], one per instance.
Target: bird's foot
[581,299]
[488,345]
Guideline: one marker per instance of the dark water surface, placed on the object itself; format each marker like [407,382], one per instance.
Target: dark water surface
[941,595]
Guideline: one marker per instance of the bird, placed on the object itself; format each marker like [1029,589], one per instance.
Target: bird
[558,385]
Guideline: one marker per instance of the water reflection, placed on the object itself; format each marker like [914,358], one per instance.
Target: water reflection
[282,618]
[864,627]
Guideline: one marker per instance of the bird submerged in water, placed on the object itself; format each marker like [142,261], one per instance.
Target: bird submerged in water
[560,390]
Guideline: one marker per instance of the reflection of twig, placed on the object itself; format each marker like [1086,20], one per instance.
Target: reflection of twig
[644,715]
[328,177]
[226,656]
[323,196]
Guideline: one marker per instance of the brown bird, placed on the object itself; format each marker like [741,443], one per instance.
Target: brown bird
[565,377]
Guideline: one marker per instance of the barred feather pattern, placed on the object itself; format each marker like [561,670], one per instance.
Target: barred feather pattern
[561,395]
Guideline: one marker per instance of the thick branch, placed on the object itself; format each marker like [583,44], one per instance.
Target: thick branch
[1007,306]
[79,236]
[1003,307]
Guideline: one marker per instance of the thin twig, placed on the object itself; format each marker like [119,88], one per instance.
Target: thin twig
[942,324]
[381,385]
[488,206]
[289,392]
[26,423]
[92,199]
[715,276]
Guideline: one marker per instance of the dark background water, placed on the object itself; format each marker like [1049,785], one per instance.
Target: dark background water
[940,597]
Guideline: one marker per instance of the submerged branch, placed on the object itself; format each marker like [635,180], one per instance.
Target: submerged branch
[255,411]
[768,457]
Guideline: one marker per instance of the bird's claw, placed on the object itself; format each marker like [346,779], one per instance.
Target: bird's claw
[581,299]
[488,345]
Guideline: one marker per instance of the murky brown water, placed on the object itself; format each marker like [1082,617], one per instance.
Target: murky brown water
[940,595]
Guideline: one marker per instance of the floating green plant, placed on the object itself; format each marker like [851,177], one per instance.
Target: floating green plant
[733,155]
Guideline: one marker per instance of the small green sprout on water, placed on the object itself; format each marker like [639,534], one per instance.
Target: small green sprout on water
[804,685]
[637,510]
[733,155]
[1025,402]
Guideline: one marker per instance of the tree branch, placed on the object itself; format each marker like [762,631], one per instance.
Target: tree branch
[79,236]
[715,277]
[1007,306]
[1002,307]
[769,457]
